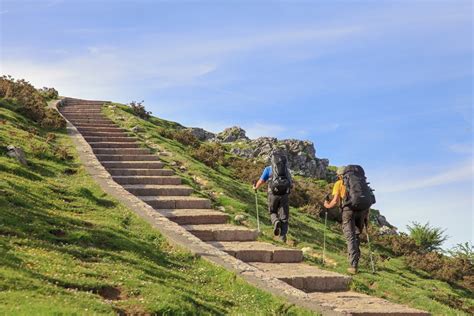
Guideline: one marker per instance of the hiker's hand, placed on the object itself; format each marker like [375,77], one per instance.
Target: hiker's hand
[326,204]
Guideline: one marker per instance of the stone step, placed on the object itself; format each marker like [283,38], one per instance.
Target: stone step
[113,145]
[89,121]
[132,164]
[159,190]
[109,139]
[358,304]
[103,134]
[305,277]
[175,202]
[127,157]
[85,115]
[222,232]
[121,151]
[112,129]
[82,112]
[147,180]
[94,125]
[142,172]
[195,216]
[255,251]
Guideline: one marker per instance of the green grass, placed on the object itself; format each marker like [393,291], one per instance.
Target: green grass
[68,248]
[394,280]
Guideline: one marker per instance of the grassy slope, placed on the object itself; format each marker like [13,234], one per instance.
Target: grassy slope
[394,280]
[64,245]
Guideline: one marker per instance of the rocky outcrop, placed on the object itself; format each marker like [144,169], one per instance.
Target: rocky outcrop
[201,133]
[301,155]
[232,134]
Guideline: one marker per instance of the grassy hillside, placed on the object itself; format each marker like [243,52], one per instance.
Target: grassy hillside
[67,248]
[394,280]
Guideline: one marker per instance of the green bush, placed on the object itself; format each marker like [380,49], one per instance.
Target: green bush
[246,170]
[49,93]
[139,110]
[441,267]
[465,250]
[30,102]
[398,245]
[211,155]
[185,137]
[426,237]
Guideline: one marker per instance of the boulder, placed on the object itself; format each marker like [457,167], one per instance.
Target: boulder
[201,133]
[382,221]
[18,154]
[232,134]
[137,129]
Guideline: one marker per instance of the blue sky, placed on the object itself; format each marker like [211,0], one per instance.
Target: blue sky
[385,84]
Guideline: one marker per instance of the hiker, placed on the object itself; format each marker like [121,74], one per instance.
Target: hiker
[355,203]
[279,181]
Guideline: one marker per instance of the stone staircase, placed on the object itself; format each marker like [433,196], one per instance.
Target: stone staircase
[142,174]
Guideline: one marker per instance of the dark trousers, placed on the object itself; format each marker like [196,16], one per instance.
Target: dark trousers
[279,209]
[353,223]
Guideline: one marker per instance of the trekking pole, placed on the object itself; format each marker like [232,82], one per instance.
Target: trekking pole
[324,238]
[372,264]
[256,207]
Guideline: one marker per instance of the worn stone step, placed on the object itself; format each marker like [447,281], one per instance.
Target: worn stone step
[121,151]
[132,164]
[142,172]
[93,125]
[127,157]
[112,129]
[87,121]
[358,304]
[255,251]
[82,112]
[108,139]
[306,277]
[113,145]
[195,216]
[85,115]
[159,190]
[222,232]
[174,202]
[147,180]
[104,134]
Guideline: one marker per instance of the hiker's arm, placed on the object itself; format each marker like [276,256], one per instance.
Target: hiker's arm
[259,183]
[334,201]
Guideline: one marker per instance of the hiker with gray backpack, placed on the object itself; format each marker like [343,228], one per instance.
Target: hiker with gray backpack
[279,181]
[352,194]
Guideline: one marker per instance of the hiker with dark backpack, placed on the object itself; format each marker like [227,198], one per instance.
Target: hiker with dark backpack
[354,196]
[279,181]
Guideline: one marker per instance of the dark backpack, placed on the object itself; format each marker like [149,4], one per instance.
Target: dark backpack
[359,196]
[280,183]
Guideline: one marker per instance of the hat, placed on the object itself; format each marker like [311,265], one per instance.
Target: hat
[340,170]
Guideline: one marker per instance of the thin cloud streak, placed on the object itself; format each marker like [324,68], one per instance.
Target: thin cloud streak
[457,174]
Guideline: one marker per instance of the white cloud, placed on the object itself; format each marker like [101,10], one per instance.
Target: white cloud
[463,148]
[418,180]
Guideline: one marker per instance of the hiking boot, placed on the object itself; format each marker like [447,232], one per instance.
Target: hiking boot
[283,238]
[277,228]
[352,270]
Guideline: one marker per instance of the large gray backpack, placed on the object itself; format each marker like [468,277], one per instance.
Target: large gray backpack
[359,196]
[280,183]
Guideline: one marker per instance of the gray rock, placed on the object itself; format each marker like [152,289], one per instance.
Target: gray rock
[137,129]
[17,153]
[221,208]
[382,221]
[201,133]
[239,218]
[232,134]
[385,230]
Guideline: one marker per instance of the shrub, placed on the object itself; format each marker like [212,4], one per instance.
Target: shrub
[185,137]
[62,153]
[465,250]
[398,245]
[49,93]
[30,102]
[246,170]
[441,267]
[139,110]
[426,237]
[52,119]
[211,155]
